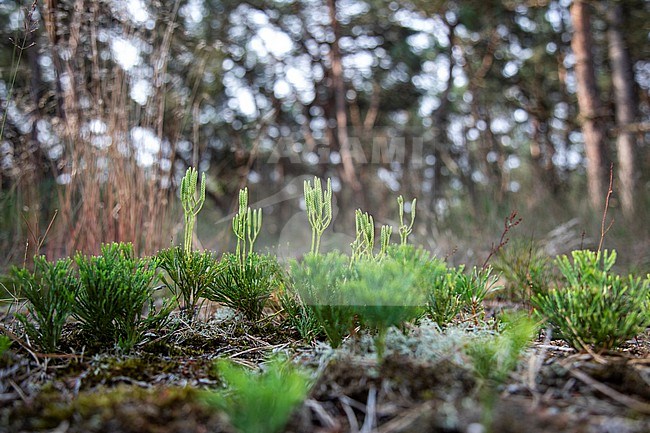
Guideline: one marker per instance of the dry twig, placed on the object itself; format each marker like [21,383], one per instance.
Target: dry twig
[632,403]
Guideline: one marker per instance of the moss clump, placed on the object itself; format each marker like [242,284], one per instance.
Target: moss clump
[137,368]
[120,409]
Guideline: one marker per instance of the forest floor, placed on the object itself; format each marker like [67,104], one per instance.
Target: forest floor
[423,384]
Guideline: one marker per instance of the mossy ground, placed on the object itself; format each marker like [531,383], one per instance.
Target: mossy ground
[424,384]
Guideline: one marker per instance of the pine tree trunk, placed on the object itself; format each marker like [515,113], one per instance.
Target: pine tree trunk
[623,84]
[339,103]
[588,103]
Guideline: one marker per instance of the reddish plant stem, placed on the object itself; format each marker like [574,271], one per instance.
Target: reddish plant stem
[511,221]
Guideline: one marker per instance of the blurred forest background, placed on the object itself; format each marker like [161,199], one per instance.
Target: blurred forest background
[475,107]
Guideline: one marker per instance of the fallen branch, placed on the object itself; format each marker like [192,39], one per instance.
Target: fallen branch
[349,413]
[411,419]
[371,405]
[632,403]
[325,418]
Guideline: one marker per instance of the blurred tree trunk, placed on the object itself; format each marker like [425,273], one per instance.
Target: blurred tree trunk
[623,84]
[30,155]
[49,11]
[349,173]
[440,120]
[588,103]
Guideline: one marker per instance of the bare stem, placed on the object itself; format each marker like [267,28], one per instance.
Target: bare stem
[610,190]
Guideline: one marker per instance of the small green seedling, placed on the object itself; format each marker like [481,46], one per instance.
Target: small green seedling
[5,343]
[260,402]
[493,358]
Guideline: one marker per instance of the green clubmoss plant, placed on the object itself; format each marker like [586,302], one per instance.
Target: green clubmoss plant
[246,288]
[494,358]
[300,316]
[409,255]
[404,230]
[383,294]
[364,242]
[116,290]
[319,210]
[260,402]
[246,225]
[595,307]
[343,293]
[50,291]
[526,269]
[192,203]
[188,276]
[473,288]
[384,239]
[318,281]
[444,300]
